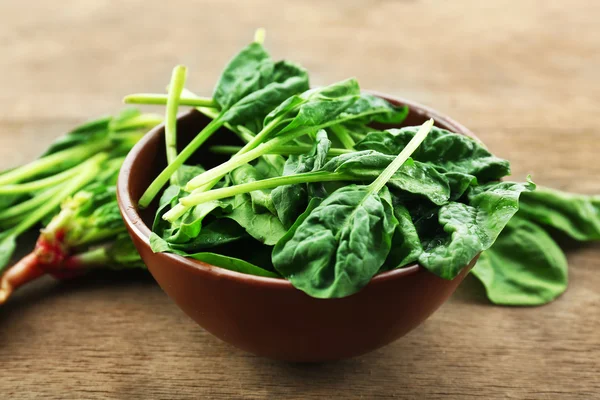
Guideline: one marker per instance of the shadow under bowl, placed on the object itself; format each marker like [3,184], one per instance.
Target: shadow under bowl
[268,316]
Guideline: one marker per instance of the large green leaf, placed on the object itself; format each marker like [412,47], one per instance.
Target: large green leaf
[251,69]
[381,110]
[573,214]
[288,79]
[466,230]
[233,264]
[335,248]
[264,227]
[261,199]
[315,107]
[216,233]
[448,151]
[524,267]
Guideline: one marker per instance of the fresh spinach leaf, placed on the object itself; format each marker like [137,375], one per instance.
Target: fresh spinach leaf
[191,232]
[261,199]
[171,196]
[340,245]
[449,152]
[470,228]
[251,110]
[385,112]
[191,224]
[288,79]
[264,227]
[100,130]
[233,264]
[251,69]
[314,107]
[524,267]
[573,214]
[215,233]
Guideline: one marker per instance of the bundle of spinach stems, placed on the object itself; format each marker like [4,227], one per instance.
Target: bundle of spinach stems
[70,190]
[318,192]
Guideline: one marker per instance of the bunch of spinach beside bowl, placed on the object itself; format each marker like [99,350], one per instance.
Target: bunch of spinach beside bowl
[71,191]
[316,195]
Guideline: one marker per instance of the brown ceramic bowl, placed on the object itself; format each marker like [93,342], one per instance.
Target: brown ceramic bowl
[268,316]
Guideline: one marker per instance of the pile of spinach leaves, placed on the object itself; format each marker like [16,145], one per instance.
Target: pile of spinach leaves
[316,195]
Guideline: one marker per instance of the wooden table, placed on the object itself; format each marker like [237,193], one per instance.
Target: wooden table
[523,74]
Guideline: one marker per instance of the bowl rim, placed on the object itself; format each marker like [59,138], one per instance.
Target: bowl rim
[138,228]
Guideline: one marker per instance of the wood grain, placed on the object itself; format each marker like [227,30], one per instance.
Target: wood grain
[523,74]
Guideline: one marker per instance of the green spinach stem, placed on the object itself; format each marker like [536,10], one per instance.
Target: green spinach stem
[186,153]
[237,160]
[85,176]
[217,194]
[259,35]
[260,136]
[65,157]
[285,150]
[44,183]
[243,158]
[177,83]
[161,99]
[242,132]
[142,121]
[98,235]
[342,134]
[245,134]
[92,258]
[28,205]
[202,196]
[391,169]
